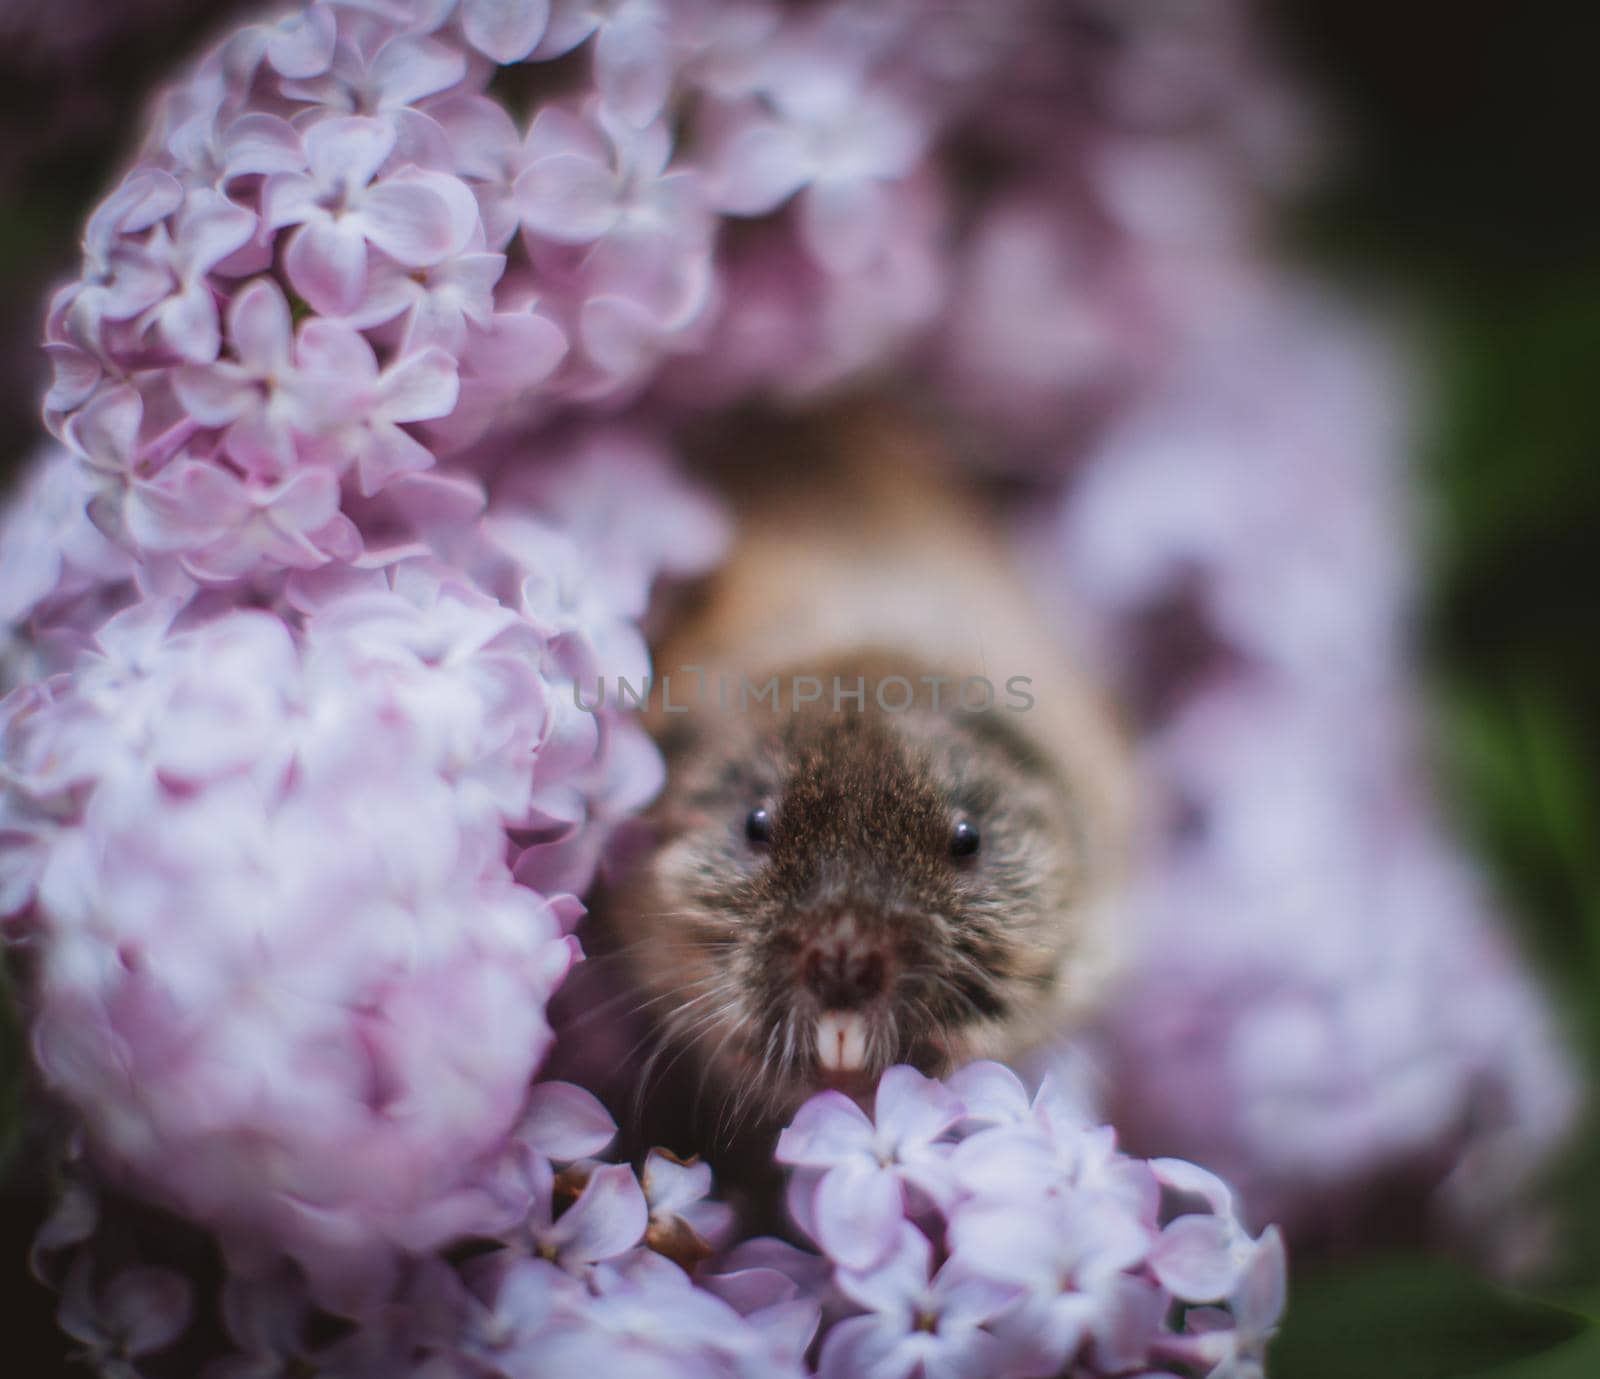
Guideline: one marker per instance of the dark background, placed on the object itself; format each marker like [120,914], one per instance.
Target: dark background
[1468,187]
[1466,192]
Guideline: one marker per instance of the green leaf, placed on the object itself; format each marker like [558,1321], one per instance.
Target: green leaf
[1414,1319]
[1579,1358]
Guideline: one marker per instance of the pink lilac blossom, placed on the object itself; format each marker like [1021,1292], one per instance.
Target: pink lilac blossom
[1262,465]
[348,155]
[822,131]
[327,969]
[1343,1013]
[579,1286]
[1048,1251]
[140,1311]
[1322,1003]
[623,235]
[1014,1239]
[338,210]
[1045,327]
[280,964]
[679,1196]
[52,557]
[298,803]
[315,264]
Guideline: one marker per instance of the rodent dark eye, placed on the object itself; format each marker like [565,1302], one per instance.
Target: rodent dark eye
[964,841]
[758,826]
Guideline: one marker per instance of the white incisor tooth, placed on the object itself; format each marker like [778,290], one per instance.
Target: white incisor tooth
[841,1041]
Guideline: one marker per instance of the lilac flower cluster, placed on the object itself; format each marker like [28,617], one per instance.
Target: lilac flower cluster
[1323,1001]
[325,392]
[280,963]
[581,1267]
[975,1231]
[340,261]
[360,405]
[294,881]
[297,802]
[967,1228]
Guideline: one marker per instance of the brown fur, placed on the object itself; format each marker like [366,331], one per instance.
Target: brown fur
[869,561]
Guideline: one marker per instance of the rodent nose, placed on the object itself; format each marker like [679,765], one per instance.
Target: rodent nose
[842,972]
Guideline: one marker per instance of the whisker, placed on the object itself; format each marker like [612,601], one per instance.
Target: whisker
[716,1137]
[667,1033]
[641,1087]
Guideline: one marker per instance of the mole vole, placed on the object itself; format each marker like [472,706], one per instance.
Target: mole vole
[896,813]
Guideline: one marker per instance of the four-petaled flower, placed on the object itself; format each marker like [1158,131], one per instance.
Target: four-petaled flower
[596,183]
[609,1216]
[855,1207]
[340,207]
[140,1311]
[685,1225]
[916,1324]
[829,134]
[632,51]
[260,396]
[389,80]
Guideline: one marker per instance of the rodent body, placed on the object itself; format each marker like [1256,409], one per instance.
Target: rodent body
[895,817]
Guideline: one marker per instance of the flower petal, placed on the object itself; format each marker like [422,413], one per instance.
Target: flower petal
[618,335]
[147,1308]
[188,323]
[861,1346]
[1194,1259]
[571,21]
[210,229]
[515,350]
[897,1280]
[482,137]
[327,263]
[609,1217]
[304,502]
[409,69]
[858,1215]
[1181,1176]
[388,453]
[990,1093]
[419,387]
[410,221]
[567,198]
[633,64]
[189,503]
[1258,1304]
[336,358]
[301,45]
[845,224]
[261,143]
[505,30]
[912,1110]
[106,432]
[672,1185]
[74,375]
[261,443]
[829,1129]
[564,1122]
[288,198]
[346,152]
[260,328]
[757,169]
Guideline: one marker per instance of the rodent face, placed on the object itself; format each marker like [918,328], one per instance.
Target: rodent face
[834,892]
